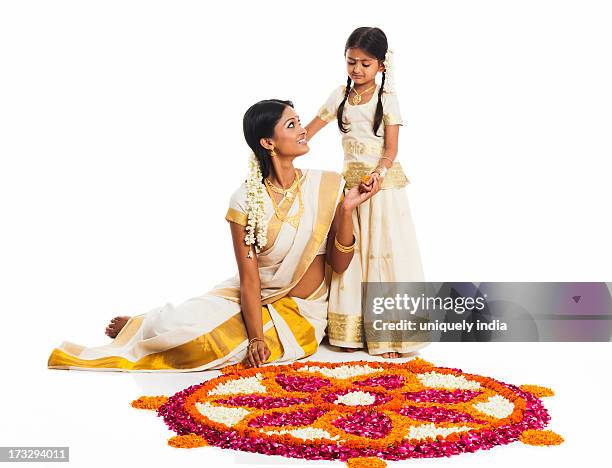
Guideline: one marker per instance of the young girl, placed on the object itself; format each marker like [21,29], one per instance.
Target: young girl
[386,250]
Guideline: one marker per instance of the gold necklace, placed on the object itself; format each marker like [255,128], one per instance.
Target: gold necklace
[293,220]
[288,192]
[356,99]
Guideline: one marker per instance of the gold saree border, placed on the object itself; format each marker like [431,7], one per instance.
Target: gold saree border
[301,328]
[198,352]
[236,216]
[128,331]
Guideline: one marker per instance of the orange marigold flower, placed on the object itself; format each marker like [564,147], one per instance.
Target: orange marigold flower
[535,437]
[369,462]
[149,402]
[187,441]
[537,391]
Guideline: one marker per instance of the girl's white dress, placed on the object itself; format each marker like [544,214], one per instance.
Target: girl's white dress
[386,247]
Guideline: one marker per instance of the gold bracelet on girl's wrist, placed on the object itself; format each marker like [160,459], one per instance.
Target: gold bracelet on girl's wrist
[388,159]
[381,170]
[344,248]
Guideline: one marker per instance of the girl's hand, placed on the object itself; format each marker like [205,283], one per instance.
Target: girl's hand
[257,354]
[354,197]
[376,176]
[367,181]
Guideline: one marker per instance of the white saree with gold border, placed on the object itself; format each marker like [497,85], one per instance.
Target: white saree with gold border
[208,331]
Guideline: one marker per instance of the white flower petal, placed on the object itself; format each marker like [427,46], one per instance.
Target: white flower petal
[448,381]
[307,433]
[496,406]
[356,399]
[430,430]
[242,385]
[222,414]
[342,372]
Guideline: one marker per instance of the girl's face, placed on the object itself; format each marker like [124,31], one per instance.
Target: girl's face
[361,66]
[289,136]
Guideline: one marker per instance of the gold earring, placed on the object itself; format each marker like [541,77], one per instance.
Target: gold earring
[273,153]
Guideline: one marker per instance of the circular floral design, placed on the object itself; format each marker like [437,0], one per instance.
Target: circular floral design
[355,411]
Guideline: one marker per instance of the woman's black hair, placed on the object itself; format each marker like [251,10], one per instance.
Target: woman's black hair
[259,122]
[374,42]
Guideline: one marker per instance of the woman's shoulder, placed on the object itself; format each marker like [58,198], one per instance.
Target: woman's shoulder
[239,196]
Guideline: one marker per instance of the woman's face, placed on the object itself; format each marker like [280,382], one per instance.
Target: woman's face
[289,136]
[361,66]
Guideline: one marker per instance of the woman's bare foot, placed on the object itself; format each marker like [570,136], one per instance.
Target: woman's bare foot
[115,326]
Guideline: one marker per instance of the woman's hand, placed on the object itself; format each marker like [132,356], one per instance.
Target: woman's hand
[257,354]
[355,197]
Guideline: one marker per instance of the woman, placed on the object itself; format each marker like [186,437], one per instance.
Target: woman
[286,224]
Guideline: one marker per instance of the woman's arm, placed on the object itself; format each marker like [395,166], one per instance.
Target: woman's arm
[342,226]
[342,229]
[250,295]
[314,126]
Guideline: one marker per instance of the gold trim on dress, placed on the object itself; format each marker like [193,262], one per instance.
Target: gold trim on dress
[395,346]
[236,216]
[392,119]
[326,115]
[355,147]
[344,329]
[354,171]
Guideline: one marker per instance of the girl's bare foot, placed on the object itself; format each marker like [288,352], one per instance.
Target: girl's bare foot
[115,326]
[395,354]
[345,350]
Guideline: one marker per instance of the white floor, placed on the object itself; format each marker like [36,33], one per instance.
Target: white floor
[90,411]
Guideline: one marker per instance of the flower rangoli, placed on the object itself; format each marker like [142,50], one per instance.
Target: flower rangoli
[358,412]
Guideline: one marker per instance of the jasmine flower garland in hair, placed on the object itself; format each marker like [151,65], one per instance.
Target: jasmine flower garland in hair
[257,226]
[388,64]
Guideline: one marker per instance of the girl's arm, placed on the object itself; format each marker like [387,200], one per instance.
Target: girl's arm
[389,153]
[314,126]
[327,113]
[250,295]
[391,143]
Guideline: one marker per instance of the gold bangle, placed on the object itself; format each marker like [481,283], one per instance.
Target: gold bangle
[344,248]
[252,341]
[388,158]
[381,170]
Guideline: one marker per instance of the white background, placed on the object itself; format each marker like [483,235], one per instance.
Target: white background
[121,142]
